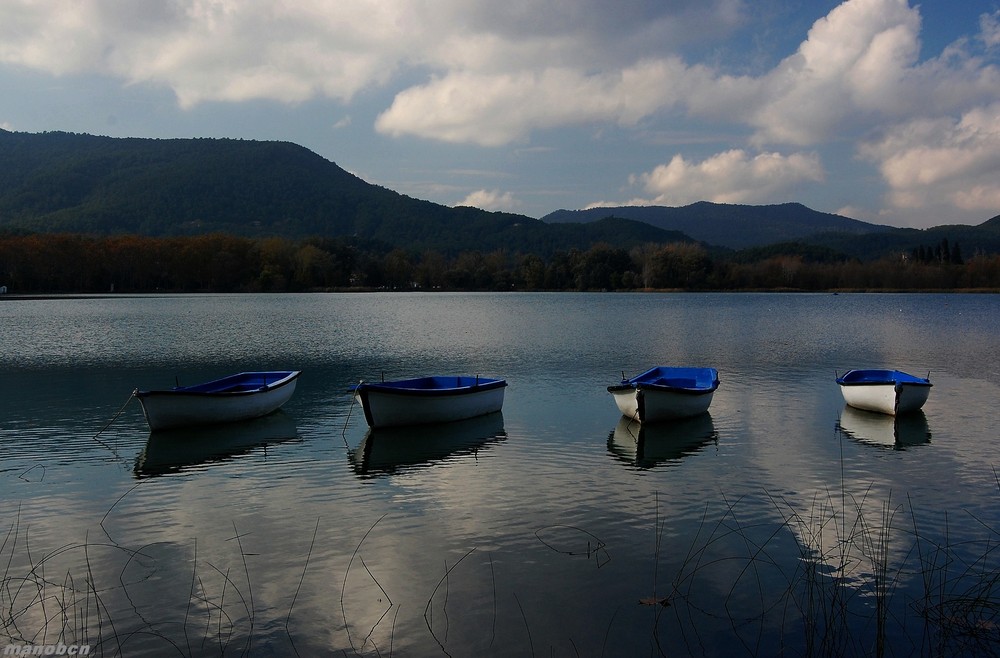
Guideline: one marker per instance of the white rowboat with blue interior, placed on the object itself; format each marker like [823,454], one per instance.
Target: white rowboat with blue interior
[665,393]
[237,397]
[884,391]
[434,399]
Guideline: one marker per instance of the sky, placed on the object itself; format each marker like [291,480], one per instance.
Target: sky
[887,111]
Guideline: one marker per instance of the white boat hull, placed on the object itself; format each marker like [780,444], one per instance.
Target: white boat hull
[886,398]
[179,409]
[650,406]
[395,409]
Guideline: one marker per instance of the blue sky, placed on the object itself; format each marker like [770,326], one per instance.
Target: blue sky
[882,110]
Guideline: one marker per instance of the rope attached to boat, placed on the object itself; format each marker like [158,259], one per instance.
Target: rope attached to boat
[110,422]
[115,417]
[354,396]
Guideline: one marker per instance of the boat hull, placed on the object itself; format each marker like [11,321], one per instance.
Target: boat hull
[666,393]
[650,406]
[232,399]
[429,400]
[884,391]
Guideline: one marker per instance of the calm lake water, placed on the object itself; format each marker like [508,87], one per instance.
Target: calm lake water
[780,522]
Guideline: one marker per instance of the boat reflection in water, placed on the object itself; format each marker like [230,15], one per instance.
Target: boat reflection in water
[391,449]
[650,445]
[895,432]
[175,450]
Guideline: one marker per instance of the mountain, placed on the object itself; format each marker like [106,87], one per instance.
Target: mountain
[74,183]
[728,225]
[63,182]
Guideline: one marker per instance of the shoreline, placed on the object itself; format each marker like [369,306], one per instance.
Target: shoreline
[834,291]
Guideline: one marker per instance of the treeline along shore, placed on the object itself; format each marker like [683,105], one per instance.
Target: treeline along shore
[52,263]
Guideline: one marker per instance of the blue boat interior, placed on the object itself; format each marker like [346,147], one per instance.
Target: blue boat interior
[677,378]
[437,383]
[242,383]
[874,376]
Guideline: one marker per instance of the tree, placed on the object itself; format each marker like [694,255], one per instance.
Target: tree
[277,264]
[530,273]
[601,268]
[679,265]
[398,269]
[430,270]
[313,268]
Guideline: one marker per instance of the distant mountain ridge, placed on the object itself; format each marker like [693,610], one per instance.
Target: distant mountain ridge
[65,182]
[727,225]
[76,183]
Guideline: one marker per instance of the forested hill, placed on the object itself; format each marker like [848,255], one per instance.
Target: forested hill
[789,228]
[73,183]
[729,225]
[59,182]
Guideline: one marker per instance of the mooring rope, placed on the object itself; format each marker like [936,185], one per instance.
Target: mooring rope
[633,420]
[354,396]
[110,422]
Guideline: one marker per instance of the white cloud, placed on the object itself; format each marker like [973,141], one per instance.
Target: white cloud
[855,212]
[494,73]
[212,50]
[731,177]
[858,69]
[497,109]
[989,25]
[490,200]
[857,66]
[853,60]
[927,161]
[234,50]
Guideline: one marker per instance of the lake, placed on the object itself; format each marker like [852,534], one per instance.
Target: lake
[779,522]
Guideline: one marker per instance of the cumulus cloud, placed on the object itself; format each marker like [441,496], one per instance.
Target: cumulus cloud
[234,50]
[852,61]
[989,25]
[490,200]
[497,109]
[731,177]
[212,50]
[858,69]
[493,73]
[927,160]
